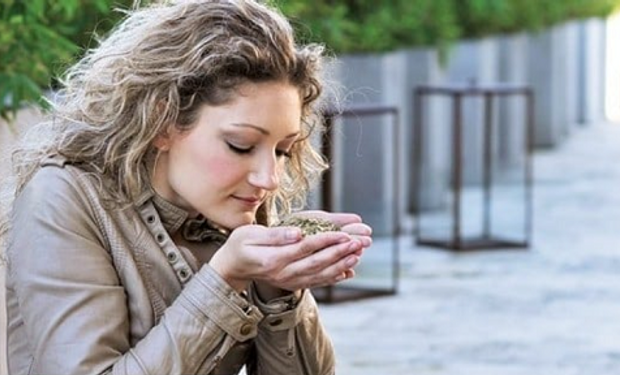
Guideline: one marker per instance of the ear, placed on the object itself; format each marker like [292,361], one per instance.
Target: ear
[162,142]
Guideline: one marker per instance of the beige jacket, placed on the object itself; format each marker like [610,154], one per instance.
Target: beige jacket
[96,291]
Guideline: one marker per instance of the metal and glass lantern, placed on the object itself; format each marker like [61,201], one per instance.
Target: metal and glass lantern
[472,166]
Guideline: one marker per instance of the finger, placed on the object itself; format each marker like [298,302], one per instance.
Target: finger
[265,236]
[311,244]
[332,274]
[360,232]
[318,261]
[340,271]
[299,272]
[342,219]
[359,252]
[347,274]
[357,229]
[365,240]
[320,241]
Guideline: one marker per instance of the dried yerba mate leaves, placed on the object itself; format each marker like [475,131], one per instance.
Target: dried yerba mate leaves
[308,225]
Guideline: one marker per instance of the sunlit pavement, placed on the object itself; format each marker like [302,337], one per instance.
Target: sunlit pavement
[551,309]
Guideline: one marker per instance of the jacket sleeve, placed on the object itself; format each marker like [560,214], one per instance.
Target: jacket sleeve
[74,307]
[291,339]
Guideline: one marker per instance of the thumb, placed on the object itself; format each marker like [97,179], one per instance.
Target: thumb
[269,236]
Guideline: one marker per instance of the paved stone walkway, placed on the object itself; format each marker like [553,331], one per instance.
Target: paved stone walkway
[551,310]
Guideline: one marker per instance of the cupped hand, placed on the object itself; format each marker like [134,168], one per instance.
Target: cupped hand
[282,258]
[347,222]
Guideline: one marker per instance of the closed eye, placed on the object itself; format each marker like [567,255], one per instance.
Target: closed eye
[240,150]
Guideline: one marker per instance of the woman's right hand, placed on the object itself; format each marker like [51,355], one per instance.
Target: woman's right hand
[281,257]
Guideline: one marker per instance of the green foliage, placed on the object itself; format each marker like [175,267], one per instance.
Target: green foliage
[319,20]
[479,18]
[348,26]
[39,38]
[369,26]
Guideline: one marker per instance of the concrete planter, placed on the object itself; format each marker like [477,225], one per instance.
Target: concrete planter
[475,62]
[612,73]
[553,75]
[434,166]
[364,156]
[591,59]
[572,64]
[513,69]
[560,64]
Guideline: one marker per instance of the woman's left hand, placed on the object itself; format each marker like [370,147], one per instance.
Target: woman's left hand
[347,222]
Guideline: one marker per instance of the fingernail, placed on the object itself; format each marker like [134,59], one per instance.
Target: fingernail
[344,239]
[355,245]
[293,234]
[352,261]
[340,277]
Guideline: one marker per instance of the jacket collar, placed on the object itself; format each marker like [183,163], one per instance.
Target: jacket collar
[174,218]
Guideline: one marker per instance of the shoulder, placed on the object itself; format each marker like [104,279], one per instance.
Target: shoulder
[51,211]
[61,190]
[65,195]
[57,180]
[53,170]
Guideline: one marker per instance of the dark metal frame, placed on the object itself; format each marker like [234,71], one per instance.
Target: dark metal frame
[340,293]
[456,93]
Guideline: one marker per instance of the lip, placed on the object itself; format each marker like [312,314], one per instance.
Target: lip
[249,201]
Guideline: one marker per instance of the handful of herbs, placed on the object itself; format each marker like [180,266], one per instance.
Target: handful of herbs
[309,225]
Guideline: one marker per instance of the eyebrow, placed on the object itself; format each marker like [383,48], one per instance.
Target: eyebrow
[261,130]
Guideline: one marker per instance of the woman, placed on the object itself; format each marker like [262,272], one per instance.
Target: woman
[141,237]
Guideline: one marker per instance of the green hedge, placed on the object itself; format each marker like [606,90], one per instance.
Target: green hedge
[479,18]
[364,26]
[39,38]
[349,26]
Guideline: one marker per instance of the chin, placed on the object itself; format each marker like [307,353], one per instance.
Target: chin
[238,221]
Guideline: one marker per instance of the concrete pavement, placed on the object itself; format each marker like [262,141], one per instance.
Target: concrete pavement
[553,309]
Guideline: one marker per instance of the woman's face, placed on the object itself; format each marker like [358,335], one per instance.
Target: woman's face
[227,164]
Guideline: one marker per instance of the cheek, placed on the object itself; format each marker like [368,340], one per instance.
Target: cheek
[223,169]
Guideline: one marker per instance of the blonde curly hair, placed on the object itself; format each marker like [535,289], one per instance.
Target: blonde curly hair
[184,54]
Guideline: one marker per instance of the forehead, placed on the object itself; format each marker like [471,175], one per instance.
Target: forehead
[266,90]
[273,106]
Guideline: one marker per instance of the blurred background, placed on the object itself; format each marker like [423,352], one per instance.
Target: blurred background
[494,199]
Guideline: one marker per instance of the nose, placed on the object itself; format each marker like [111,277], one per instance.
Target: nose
[265,174]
